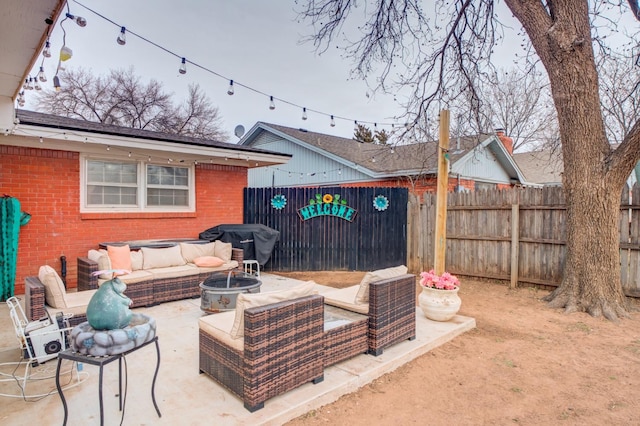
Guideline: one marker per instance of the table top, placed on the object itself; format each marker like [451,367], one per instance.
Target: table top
[336,317]
[159,243]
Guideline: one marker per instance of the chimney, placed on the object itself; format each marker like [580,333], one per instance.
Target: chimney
[506,140]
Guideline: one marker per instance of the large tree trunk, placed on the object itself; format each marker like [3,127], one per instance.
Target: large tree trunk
[592,182]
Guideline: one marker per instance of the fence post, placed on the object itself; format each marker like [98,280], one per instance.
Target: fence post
[440,246]
[515,244]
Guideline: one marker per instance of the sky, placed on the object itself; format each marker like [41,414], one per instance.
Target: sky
[255,43]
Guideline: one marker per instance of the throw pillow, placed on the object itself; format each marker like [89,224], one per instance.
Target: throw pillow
[363,291]
[120,257]
[248,300]
[161,257]
[208,261]
[54,290]
[191,251]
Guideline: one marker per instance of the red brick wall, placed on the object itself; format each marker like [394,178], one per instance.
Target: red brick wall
[47,184]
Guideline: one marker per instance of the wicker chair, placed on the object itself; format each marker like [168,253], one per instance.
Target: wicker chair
[391,310]
[283,349]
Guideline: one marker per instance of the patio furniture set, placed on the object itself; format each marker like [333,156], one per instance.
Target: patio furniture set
[277,341]
[271,342]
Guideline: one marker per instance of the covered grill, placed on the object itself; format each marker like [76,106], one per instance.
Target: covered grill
[256,240]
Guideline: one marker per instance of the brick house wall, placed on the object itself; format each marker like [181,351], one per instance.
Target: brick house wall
[47,184]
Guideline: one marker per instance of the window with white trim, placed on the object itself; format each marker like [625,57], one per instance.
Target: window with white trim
[120,185]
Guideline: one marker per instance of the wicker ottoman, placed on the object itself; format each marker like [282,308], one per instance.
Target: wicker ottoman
[345,334]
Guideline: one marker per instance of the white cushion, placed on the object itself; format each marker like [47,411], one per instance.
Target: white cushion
[192,251]
[161,257]
[363,291]
[222,250]
[136,260]
[219,327]
[174,272]
[104,263]
[344,297]
[54,290]
[225,267]
[248,300]
[132,278]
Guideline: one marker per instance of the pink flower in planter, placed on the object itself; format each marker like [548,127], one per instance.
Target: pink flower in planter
[446,281]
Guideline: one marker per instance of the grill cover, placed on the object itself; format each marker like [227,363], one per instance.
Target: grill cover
[256,240]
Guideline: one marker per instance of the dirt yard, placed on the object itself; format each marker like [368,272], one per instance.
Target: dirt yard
[523,364]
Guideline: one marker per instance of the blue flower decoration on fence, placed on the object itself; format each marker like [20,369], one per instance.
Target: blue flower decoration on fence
[278,202]
[381,203]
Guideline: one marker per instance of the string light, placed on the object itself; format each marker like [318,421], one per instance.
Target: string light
[29,83]
[332,123]
[230,90]
[36,84]
[272,104]
[41,75]
[40,139]
[78,19]
[183,70]
[46,52]
[122,37]
[56,83]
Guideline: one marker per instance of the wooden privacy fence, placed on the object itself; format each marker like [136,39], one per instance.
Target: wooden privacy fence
[358,237]
[517,235]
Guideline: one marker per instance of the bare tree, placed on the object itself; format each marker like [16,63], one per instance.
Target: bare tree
[449,51]
[122,98]
[619,95]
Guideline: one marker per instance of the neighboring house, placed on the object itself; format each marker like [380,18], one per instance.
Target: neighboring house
[546,167]
[84,183]
[541,167]
[325,160]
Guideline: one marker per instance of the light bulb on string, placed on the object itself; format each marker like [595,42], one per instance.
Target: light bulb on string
[78,19]
[183,66]
[40,139]
[230,90]
[36,84]
[25,84]
[355,125]
[46,52]
[304,113]
[272,104]
[56,83]
[41,75]
[122,37]
[129,154]
[332,123]
[30,83]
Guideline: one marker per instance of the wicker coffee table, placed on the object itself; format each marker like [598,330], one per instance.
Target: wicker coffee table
[345,334]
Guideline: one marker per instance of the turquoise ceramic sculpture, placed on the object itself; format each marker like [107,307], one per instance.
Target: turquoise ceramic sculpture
[109,307]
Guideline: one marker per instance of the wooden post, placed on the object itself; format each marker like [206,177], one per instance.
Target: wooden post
[515,244]
[441,195]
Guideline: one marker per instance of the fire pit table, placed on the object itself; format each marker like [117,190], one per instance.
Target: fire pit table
[220,291]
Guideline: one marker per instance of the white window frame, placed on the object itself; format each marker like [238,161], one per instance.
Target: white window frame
[141,201]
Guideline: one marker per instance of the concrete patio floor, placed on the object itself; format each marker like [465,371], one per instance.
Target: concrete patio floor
[184,396]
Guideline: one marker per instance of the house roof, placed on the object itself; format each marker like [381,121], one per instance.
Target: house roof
[390,160]
[542,167]
[382,159]
[65,131]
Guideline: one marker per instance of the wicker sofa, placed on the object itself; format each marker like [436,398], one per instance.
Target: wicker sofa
[163,274]
[145,287]
[281,346]
[388,298]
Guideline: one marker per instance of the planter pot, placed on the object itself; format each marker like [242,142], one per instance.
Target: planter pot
[439,305]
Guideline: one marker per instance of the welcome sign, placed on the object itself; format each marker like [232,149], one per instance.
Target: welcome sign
[327,205]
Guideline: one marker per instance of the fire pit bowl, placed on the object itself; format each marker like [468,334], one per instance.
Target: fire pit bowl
[220,291]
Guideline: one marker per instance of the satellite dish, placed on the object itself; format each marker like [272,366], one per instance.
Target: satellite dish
[239,130]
